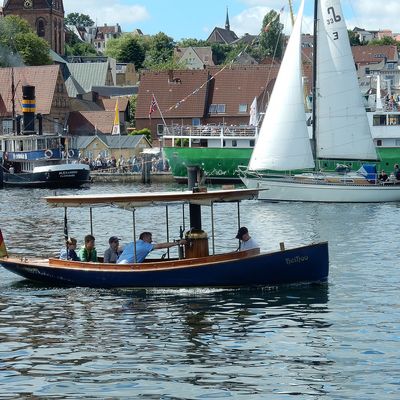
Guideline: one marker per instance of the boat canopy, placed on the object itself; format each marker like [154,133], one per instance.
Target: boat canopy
[131,201]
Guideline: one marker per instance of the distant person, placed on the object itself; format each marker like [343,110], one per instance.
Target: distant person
[246,241]
[396,171]
[113,252]
[68,252]
[88,251]
[143,247]
[383,176]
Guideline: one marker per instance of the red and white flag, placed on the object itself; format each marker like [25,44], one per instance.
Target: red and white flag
[153,105]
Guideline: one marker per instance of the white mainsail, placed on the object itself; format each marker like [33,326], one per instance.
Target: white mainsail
[342,129]
[284,142]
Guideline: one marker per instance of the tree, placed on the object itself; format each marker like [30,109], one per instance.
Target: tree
[220,52]
[161,50]
[192,43]
[271,36]
[127,49]
[386,40]
[77,19]
[16,37]
[354,38]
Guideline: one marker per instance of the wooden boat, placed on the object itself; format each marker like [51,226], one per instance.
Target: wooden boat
[195,267]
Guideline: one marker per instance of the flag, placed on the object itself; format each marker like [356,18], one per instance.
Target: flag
[3,250]
[116,127]
[253,113]
[153,105]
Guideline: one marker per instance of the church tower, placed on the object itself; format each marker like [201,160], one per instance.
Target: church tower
[46,18]
[227,26]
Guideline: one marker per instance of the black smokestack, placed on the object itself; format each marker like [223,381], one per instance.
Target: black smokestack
[28,108]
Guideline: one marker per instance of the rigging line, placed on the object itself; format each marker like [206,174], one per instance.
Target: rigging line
[177,104]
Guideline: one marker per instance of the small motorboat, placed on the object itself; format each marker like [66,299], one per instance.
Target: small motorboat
[198,264]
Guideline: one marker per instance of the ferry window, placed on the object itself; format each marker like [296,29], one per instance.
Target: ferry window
[397,142]
[394,119]
[379,120]
[224,143]
[242,108]
[196,121]
[7,126]
[252,143]
[379,142]
[160,129]
[234,143]
[41,144]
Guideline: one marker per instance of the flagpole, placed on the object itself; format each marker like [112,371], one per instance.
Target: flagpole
[162,138]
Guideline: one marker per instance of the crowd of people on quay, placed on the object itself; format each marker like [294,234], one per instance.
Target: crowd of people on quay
[125,165]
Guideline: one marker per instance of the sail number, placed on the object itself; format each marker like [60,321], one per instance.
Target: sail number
[333,17]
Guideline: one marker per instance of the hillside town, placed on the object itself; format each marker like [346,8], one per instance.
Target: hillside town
[80,94]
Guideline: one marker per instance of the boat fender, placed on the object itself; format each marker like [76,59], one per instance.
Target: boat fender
[71,153]
[48,153]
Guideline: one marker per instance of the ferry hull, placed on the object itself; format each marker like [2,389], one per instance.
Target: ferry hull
[70,178]
[308,264]
[219,164]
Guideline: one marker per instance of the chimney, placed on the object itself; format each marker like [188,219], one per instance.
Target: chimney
[28,109]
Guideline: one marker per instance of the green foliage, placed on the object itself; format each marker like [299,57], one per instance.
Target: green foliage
[353,38]
[145,131]
[160,51]
[16,37]
[271,38]
[78,19]
[132,108]
[127,48]
[220,52]
[80,49]
[386,40]
[192,43]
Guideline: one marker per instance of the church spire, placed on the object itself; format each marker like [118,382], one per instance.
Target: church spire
[227,26]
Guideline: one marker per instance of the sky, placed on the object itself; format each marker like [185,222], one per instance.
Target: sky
[197,18]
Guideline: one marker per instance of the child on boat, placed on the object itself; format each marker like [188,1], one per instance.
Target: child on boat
[68,252]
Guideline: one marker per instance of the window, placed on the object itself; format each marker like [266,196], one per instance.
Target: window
[234,143]
[217,109]
[379,120]
[394,119]
[7,126]
[379,142]
[40,28]
[160,129]
[252,143]
[242,108]
[397,142]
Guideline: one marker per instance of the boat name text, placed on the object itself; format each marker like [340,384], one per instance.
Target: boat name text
[297,259]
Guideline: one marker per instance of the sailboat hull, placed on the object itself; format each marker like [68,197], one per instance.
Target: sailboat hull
[289,190]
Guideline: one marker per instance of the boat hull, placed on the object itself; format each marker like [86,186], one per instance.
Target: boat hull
[308,264]
[289,190]
[50,177]
[219,164]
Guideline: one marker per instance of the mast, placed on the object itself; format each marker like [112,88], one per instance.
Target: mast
[13,100]
[314,85]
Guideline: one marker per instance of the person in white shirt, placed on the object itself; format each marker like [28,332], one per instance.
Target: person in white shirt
[246,241]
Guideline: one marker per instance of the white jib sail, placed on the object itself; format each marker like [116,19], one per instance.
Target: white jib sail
[342,129]
[283,142]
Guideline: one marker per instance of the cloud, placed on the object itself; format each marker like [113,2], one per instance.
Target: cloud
[103,13]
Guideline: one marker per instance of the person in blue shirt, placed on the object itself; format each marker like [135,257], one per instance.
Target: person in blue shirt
[143,247]
[68,252]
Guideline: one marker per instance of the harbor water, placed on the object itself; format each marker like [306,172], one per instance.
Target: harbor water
[335,341]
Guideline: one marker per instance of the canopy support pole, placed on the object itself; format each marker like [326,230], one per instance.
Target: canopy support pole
[212,227]
[134,235]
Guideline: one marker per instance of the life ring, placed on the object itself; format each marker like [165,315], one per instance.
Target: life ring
[71,153]
[48,153]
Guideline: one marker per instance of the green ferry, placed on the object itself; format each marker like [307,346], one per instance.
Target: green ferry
[220,150]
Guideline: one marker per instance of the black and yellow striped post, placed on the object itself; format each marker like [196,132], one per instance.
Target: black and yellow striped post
[28,108]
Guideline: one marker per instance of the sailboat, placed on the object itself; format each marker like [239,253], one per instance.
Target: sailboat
[340,124]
